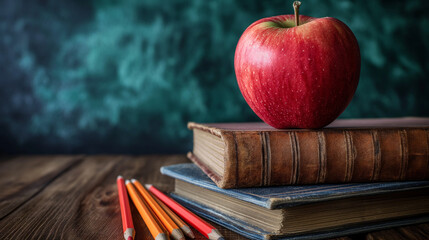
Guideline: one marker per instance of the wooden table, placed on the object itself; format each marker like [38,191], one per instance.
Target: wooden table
[75,197]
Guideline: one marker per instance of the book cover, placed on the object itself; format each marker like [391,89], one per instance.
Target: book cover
[284,196]
[354,150]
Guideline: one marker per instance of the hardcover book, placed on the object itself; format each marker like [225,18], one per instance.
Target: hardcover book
[294,212]
[237,155]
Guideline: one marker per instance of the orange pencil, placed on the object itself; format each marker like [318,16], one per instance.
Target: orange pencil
[155,216]
[127,219]
[202,226]
[168,223]
[179,222]
[154,227]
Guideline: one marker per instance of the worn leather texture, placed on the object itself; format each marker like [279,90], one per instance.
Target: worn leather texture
[355,150]
[285,196]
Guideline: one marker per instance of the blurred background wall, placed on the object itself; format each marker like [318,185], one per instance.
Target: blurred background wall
[126,76]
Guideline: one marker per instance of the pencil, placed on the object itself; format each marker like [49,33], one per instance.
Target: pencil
[155,229]
[127,219]
[155,217]
[168,223]
[202,226]
[179,222]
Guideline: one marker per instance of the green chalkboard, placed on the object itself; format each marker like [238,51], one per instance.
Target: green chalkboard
[126,76]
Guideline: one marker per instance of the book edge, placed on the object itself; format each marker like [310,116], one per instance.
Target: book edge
[278,203]
[253,232]
[213,176]
[218,130]
[205,127]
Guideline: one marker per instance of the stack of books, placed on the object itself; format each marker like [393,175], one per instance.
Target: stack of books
[350,177]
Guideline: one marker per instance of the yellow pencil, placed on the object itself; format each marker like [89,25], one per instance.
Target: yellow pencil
[155,229]
[168,223]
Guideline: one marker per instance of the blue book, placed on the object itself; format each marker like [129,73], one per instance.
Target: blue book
[299,212]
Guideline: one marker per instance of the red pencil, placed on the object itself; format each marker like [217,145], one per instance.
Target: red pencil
[202,226]
[127,219]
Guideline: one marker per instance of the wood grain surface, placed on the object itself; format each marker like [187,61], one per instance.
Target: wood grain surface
[75,197]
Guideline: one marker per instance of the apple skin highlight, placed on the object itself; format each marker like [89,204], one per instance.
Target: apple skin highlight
[297,76]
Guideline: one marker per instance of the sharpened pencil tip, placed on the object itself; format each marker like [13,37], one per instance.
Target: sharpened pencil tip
[190,234]
[161,236]
[127,181]
[129,234]
[177,234]
[187,231]
[148,186]
[215,235]
[119,176]
[133,180]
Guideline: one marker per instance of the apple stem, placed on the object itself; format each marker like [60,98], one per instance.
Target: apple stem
[296,5]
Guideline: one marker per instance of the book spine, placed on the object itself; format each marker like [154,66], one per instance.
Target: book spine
[329,156]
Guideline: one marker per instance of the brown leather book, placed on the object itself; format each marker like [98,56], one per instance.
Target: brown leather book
[237,155]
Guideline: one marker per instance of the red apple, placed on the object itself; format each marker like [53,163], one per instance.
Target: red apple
[297,75]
